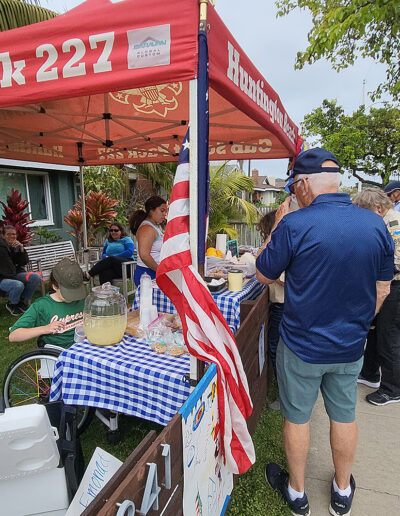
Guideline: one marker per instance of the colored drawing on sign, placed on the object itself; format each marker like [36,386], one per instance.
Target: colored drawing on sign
[190,456]
[199,416]
[207,483]
[212,497]
[199,505]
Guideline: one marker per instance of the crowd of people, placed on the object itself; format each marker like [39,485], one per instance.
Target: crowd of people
[333,270]
[53,317]
[341,261]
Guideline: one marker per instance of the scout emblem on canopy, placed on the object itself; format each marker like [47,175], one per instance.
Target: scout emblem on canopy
[157,99]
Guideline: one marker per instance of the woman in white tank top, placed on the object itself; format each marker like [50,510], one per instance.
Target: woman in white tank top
[146,225]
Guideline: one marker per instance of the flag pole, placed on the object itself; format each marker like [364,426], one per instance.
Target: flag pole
[203,139]
[195,366]
[203,14]
[193,170]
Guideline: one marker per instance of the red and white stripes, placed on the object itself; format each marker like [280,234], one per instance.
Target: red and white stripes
[205,330]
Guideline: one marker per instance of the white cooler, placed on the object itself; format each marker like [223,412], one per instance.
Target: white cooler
[30,481]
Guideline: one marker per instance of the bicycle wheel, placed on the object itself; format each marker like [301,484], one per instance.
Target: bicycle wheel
[28,380]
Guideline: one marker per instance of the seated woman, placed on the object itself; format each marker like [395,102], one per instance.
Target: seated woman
[147,226]
[117,248]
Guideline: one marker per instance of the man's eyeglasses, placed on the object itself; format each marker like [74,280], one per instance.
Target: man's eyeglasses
[291,186]
[114,230]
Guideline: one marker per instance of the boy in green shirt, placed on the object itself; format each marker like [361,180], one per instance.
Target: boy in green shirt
[56,315]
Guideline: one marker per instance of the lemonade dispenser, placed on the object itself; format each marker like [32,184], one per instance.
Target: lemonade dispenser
[104,317]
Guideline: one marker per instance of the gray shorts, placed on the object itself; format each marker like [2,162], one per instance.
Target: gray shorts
[299,383]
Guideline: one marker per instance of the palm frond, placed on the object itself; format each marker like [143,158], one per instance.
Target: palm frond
[16,13]
[161,174]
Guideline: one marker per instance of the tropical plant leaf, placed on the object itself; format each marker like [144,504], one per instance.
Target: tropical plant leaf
[16,13]
[160,174]
[15,214]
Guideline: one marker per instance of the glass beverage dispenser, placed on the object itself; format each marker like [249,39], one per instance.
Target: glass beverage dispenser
[104,317]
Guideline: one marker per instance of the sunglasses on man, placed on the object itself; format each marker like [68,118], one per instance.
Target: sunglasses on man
[291,186]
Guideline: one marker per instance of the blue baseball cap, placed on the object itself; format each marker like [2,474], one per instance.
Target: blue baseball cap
[391,187]
[310,162]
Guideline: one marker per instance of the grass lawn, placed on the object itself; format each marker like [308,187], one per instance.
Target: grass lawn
[251,495]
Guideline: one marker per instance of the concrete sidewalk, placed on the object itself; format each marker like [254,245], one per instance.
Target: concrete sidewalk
[377,466]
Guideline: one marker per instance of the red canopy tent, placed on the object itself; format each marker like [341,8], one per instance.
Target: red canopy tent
[114,82]
[117,79]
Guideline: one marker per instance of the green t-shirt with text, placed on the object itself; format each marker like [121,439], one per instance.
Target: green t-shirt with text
[45,310]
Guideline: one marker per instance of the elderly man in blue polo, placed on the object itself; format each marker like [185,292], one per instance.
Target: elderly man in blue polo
[392,190]
[338,260]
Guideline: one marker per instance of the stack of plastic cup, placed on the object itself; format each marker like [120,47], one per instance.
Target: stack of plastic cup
[146,300]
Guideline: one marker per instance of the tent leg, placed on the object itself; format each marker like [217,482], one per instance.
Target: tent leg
[85,235]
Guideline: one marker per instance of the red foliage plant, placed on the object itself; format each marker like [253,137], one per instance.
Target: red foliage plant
[15,215]
[99,214]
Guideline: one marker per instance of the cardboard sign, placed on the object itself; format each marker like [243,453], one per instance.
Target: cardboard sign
[101,468]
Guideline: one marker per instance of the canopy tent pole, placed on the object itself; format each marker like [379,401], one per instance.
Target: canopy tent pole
[83,200]
[82,185]
[85,235]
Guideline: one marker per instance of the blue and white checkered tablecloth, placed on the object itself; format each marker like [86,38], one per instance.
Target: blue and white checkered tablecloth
[228,302]
[129,378]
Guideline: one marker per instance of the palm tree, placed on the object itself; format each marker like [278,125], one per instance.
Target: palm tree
[226,203]
[160,174]
[18,13]
[226,187]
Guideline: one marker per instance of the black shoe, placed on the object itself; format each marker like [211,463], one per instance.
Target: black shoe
[381,398]
[341,505]
[14,309]
[374,383]
[23,306]
[278,478]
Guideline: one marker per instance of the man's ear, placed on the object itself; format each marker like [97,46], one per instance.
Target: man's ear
[307,191]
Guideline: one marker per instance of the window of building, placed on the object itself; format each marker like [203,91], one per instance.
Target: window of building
[34,187]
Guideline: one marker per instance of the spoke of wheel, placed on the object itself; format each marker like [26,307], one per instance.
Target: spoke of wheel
[37,376]
[21,379]
[36,373]
[22,394]
[24,401]
[32,380]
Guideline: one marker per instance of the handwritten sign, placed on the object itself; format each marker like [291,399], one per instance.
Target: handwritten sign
[207,483]
[101,468]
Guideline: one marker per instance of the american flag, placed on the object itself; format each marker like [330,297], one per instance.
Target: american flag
[205,330]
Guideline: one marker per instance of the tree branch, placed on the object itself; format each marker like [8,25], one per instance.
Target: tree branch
[365,181]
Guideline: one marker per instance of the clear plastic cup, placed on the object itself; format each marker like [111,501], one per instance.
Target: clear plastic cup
[79,335]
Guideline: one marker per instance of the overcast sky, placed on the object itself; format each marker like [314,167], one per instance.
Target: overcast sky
[272,45]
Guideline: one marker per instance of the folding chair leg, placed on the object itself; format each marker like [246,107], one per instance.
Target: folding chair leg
[125,282]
